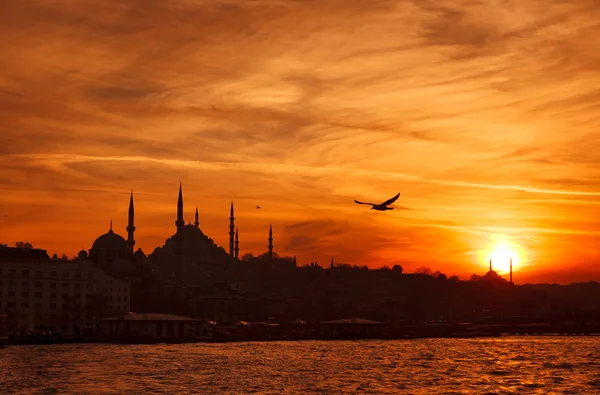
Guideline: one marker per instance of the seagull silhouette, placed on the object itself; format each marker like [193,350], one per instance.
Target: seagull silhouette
[257,207]
[383,206]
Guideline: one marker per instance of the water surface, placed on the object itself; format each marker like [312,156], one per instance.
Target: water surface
[516,365]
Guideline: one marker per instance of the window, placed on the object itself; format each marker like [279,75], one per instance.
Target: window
[52,285]
[11,294]
[65,285]
[77,296]
[25,283]
[53,295]
[78,286]
[77,275]
[65,296]
[66,275]
[24,305]
[90,276]
[12,272]
[25,272]
[38,273]
[38,294]
[38,284]
[11,305]
[52,305]
[53,274]
[89,287]
[37,317]
[25,294]
[38,306]
[52,316]
[12,283]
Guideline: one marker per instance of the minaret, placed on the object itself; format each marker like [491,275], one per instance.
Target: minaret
[231,229]
[237,244]
[196,222]
[511,281]
[270,241]
[331,267]
[180,222]
[294,261]
[490,264]
[130,226]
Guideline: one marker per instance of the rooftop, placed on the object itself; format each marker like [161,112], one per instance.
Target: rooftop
[352,321]
[149,317]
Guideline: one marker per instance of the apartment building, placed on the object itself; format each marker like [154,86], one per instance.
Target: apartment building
[38,293]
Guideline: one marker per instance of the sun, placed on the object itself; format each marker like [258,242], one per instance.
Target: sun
[501,253]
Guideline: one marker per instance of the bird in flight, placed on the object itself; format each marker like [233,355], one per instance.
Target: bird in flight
[258,207]
[383,206]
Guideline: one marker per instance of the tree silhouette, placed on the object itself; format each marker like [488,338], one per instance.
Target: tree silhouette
[397,269]
[23,244]
[424,270]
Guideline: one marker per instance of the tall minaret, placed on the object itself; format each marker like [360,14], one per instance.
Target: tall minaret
[180,222]
[270,241]
[511,270]
[231,229]
[490,264]
[130,226]
[196,222]
[237,244]
[294,261]
[331,267]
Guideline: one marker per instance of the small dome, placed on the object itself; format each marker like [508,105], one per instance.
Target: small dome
[113,244]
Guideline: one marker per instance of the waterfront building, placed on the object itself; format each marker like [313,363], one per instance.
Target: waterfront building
[140,327]
[39,293]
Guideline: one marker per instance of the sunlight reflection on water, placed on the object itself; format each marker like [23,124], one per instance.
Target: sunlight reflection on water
[525,365]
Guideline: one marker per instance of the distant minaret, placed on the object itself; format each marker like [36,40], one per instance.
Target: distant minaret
[231,229]
[331,267]
[511,281]
[196,222]
[180,222]
[130,226]
[490,264]
[237,244]
[294,261]
[270,241]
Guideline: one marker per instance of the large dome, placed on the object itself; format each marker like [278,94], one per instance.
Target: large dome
[112,244]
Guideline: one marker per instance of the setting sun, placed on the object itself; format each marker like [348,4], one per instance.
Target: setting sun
[501,253]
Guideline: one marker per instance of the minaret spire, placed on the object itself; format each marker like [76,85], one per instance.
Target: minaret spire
[110,230]
[237,244]
[130,225]
[196,222]
[511,281]
[331,263]
[490,264]
[180,222]
[231,229]
[294,261]
[270,241]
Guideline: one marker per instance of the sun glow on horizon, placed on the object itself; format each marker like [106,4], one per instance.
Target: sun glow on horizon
[501,251]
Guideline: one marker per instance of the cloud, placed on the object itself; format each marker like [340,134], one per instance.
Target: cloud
[470,109]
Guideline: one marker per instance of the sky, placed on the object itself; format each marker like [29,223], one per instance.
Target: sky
[483,114]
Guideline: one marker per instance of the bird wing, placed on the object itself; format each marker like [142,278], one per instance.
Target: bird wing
[390,201]
[372,204]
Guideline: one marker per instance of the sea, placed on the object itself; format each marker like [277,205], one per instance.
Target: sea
[507,365]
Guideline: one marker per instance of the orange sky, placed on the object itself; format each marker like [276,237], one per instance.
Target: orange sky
[483,114]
